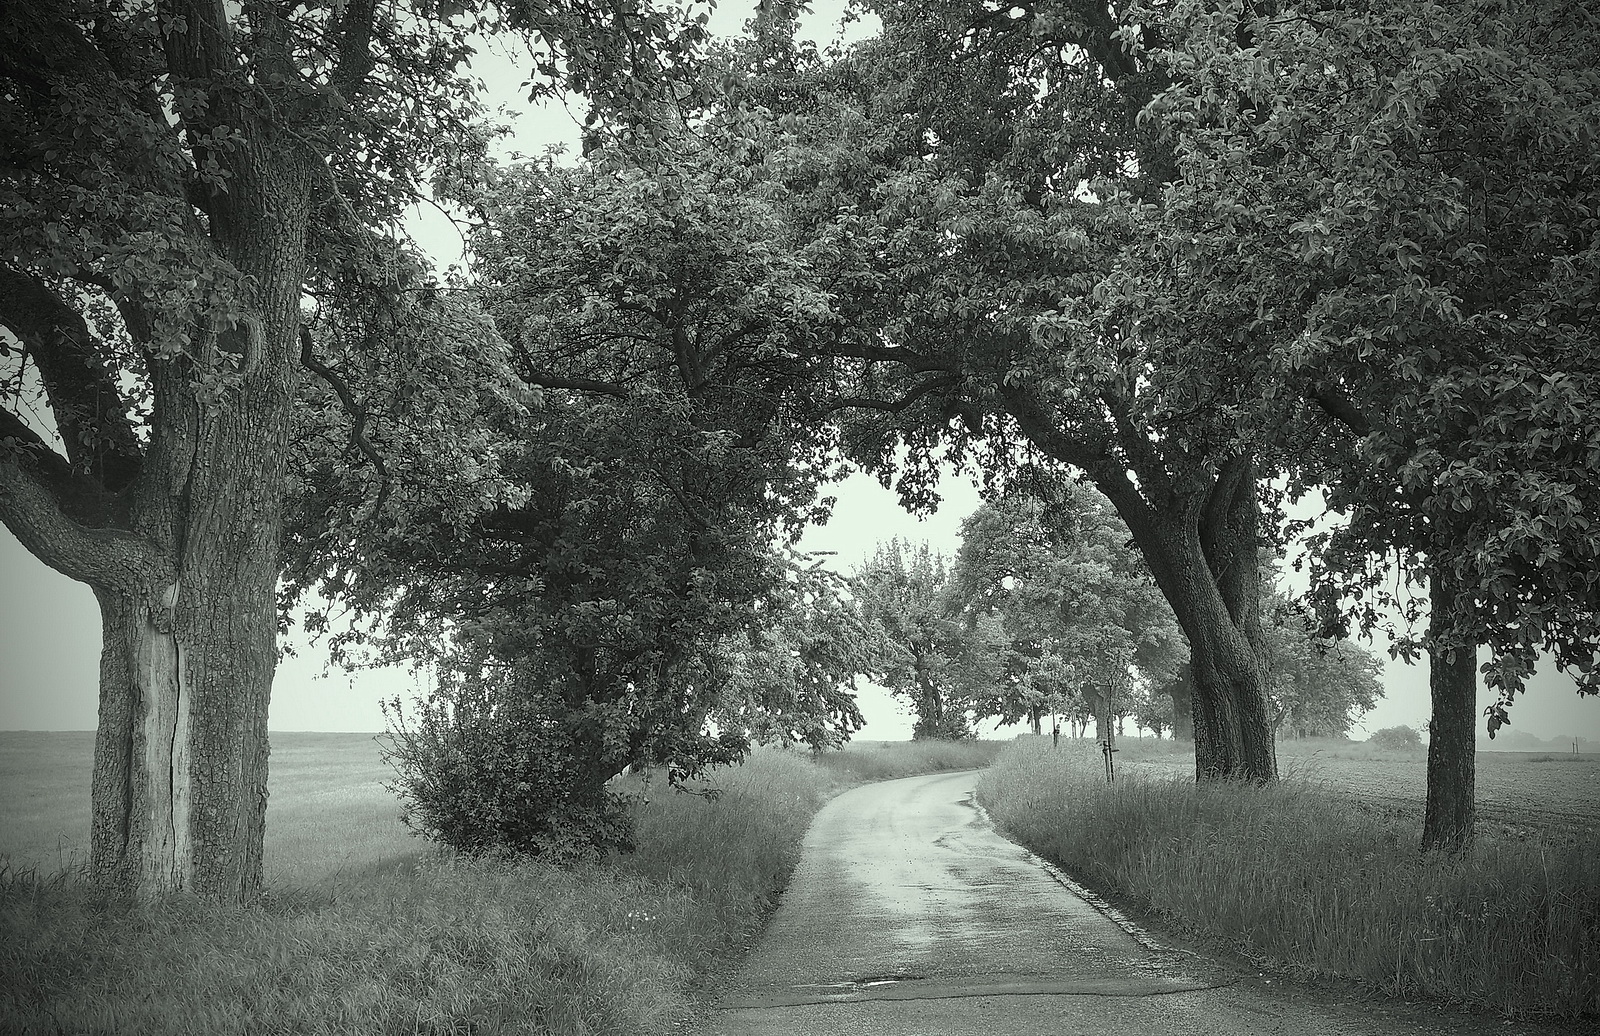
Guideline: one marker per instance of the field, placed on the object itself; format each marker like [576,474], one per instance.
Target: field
[365,930]
[328,811]
[1517,792]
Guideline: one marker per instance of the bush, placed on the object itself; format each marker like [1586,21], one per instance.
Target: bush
[1396,739]
[486,772]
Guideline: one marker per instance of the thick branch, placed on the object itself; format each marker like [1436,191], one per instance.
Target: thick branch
[891,406]
[1341,408]
[358,415]
[544,379]
[110,559]
[91,415]
[1036,422]
[81,497]
[355,48]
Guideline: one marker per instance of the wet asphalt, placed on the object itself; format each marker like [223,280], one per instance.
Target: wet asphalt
[910,914]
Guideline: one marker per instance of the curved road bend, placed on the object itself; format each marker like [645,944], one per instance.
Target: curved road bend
[909,914]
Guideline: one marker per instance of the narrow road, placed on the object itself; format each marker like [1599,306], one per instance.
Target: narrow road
[909,914]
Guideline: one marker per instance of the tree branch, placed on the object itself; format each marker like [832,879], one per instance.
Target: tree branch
[894,406]
[34,480]
[544,379]
[90,412]
[1036,423]
[355,48]
[358,415]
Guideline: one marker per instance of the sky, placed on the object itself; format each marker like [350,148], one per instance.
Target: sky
[49,625]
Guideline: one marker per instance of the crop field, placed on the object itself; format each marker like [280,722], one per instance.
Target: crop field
[329,812]
[328,809]
[1517,792]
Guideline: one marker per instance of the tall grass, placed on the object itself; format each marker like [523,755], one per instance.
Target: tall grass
[1295,876]
[886,760]
[425,942]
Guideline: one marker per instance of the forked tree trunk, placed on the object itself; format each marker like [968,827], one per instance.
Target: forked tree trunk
[1452,731]
[1205,561]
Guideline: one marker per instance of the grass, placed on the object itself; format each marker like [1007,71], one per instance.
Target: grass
[886,760]
[365,931]
[1293,876]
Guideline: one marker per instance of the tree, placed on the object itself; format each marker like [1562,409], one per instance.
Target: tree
[1405,193]
[1052,568]
[178,176]
[794,671]
[996,170]
[902,589]
[612,551]
[1319,685]
[1396,739]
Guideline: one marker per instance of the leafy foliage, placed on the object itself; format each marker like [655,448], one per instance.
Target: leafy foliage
[487,765]
[1398,739]
[642,426]
[1319,685]
[793,672]
[1064,611]
[903,589]
[1396,204]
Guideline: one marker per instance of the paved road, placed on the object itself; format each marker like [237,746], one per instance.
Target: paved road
[909,914]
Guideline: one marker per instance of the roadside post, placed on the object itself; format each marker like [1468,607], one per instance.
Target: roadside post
[1108,750]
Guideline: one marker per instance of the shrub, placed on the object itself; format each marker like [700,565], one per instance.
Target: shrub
[1398,739]
[489,772]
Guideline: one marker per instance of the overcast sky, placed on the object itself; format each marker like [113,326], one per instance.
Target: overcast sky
[49,625]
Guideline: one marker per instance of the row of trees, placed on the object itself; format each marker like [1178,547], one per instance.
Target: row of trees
[1047,608]
[1189,253]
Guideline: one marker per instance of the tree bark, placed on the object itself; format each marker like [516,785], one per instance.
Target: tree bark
[1202,551]
[1452,731]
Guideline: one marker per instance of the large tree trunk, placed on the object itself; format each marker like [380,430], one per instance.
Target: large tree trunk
[1452,731]
[1204,557]
[179,791]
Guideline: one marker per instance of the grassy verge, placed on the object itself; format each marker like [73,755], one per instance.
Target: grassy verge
[886,760]
[1293,876]
[420,942]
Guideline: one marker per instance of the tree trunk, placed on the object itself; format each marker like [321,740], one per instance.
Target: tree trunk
[1205,561]
[1033,714]
[179,791]
[1452,731]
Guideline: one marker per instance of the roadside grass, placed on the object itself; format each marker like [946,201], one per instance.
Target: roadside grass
[1294,877]
[887,760]
[364,930]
